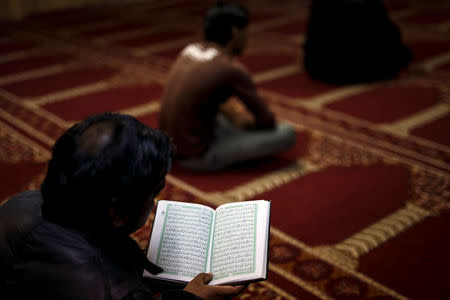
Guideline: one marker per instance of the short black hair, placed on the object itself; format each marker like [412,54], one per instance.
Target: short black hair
[220,20]
[108,160]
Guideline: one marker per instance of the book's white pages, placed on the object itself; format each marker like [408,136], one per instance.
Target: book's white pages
[231,242]
[180,239]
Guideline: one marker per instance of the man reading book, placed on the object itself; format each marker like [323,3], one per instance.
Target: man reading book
[210,130]
[71,239]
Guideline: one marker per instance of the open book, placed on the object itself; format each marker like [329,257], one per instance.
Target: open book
[230,242]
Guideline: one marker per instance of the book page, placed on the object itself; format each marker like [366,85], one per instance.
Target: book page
[180,239]
[239,249]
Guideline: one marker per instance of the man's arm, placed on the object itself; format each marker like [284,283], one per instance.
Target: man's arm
[199,286]
[237,114]
[196,289]
[244,88]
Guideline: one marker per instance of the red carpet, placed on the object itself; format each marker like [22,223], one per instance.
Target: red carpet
[360,204]
[388,104]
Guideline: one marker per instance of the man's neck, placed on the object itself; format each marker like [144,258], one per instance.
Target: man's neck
[227,49]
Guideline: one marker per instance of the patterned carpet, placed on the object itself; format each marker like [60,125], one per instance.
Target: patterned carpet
[359,206]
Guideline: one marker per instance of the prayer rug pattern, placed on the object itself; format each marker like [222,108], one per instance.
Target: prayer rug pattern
[360,206]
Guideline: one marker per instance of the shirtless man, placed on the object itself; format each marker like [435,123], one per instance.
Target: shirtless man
[207,136]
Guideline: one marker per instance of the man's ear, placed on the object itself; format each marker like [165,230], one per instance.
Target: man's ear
[116,220]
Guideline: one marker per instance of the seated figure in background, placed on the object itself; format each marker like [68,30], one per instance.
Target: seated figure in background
[210,133]
[353,41]
[71,239]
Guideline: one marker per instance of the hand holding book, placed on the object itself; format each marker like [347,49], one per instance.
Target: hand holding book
[231,241]
[199,286]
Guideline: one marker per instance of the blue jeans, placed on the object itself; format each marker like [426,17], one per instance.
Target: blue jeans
[232,145]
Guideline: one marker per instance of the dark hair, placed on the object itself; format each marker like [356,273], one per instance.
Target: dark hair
[107,160]
[221,18]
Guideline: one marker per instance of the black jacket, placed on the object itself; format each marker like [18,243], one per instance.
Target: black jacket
[43,260]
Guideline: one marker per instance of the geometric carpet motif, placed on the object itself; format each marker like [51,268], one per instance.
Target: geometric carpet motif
[360,205]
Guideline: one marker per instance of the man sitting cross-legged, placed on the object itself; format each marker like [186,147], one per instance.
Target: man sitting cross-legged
[208,135]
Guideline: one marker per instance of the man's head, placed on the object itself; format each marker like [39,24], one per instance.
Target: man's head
[226,25]
[105,171]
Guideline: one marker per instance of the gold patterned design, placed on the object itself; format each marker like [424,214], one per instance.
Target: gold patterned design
[325,151]
[47,115]
[152,48]
[150,107]
[298,281]
[54,69]
[405,125]
[430,190]
[337,257]
[289,239]
[140,74]
[264,290]
[323,99]
[437,79]
[36,109]
[276,73]
[13,10]
[433,80]
[27,128]
[318,252]
[70,93]
[436,61]
[192,190]
[383,230]
[215,199]
[276,289]
[382,148]
[17,148]
[269,181]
